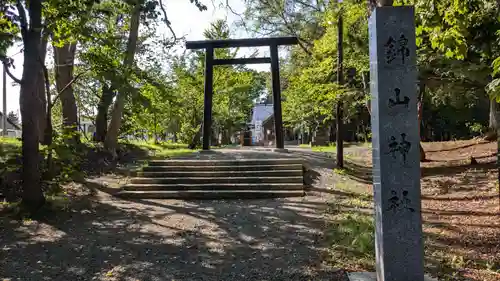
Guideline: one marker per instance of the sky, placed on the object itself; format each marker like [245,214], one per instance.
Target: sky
[186,20]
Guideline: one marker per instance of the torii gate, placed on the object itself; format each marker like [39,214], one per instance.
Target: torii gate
[210,45]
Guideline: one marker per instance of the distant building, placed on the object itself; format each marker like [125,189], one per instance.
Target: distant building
[13,130]
[262,124]
[86,126]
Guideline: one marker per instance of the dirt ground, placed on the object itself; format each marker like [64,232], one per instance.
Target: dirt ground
[100,237]
[460,203]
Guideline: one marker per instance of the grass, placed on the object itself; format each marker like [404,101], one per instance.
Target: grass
[91,161]
[460,222]
[158,146]
[8,147]
[11,147]
[352,241]
[10,141]
[162,149]
[332,147]
[329,148]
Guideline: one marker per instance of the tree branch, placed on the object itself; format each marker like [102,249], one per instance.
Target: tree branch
[317,9]
[242,20]
[22,19]
[167,22]
[58,95]
[47,85]
[6,63]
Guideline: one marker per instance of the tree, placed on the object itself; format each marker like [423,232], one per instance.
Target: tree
[139,9]
[29,21]
[299,18]
[466,31]
[101,50]
[116,119]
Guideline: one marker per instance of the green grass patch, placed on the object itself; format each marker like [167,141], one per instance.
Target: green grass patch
[158,146]
[162,149]
[352,241]
[10,149]
[10,141]
[339,171]
[328,148]
[351,232]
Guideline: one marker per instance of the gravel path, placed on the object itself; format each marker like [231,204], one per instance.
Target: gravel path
[106,238]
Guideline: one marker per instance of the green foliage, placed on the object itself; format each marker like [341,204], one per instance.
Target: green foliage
[458,47]
[175,110]
[312,93]
[9,30]
[64,161]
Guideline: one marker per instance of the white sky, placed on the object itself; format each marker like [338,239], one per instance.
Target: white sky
[186,19]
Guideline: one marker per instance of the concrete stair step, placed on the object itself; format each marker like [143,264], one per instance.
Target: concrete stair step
[181,174]
[213,186]
[268,167]
[218,162]
[210,194]
[193,180]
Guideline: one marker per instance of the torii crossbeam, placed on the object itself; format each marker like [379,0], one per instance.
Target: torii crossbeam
[210,45]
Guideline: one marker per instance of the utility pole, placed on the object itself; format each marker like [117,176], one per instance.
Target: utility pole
[4,119]
[340,81]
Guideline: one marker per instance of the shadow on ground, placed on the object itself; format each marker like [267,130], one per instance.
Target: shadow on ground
[111,239]
[363,173]
[453,251]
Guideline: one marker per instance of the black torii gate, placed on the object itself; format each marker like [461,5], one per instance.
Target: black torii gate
[210,45]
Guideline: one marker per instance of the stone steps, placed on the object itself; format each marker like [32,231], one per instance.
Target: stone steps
[212,163]
[210,194]
[239,173]
[221,168]
[217,179]
[213,186]
[201,180]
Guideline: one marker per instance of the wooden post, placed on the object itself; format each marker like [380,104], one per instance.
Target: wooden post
[340,104]
[4,93]
[275,77]
[207,111]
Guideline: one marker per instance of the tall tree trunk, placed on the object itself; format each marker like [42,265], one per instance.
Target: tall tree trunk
[420,111]
[493,124]
[195,141]
[64,58]
[41,93]
[101,120]
[111,140]
[32,195]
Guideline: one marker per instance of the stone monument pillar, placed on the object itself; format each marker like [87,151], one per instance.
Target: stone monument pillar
[396,155]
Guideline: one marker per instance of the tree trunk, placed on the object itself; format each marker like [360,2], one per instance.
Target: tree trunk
[30,104]
[101,120]
[111,140]
[196,139]
[420,110]
[49,130]
[493,124]
[40,88]
[64,58]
